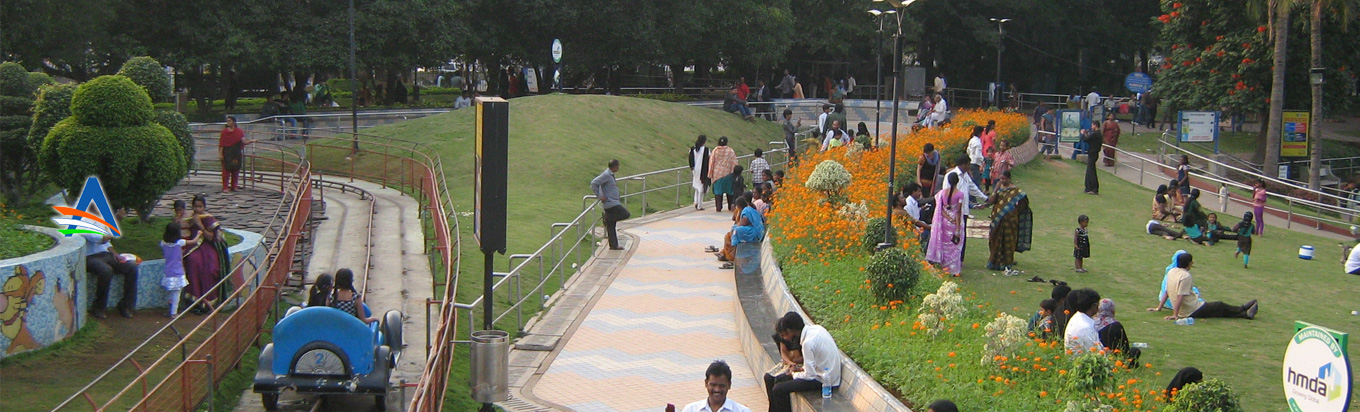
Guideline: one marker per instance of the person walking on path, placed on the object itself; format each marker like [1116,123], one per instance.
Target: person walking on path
[698,166]
[1110,130]
[606,190]
[1093,140]
[720,164]
[791,133]
[231,145]
[717,381]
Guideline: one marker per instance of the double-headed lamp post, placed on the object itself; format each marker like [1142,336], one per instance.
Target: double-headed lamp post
[897,95]
[878,62]
[1000,36]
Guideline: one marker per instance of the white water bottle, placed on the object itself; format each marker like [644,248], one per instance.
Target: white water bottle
[826,384]
[1185,321]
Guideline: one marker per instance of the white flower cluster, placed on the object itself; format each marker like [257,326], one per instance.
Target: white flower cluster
[937,308]
[1005,334]
[1089,405]
[857,211]
[829,176]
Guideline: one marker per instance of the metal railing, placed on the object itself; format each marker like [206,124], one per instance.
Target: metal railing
[561,256]
[1295,207]
[224,335]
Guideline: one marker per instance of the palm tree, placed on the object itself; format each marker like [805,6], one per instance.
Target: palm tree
[1315,36]
[1277,12]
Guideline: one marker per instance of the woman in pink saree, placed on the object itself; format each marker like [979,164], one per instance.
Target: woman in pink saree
[946,235]
[203,264]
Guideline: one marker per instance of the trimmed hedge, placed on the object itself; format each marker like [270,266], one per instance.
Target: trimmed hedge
[150,74]
[179,126]
[53,105]
[14,80]
[111,101]
[135,163]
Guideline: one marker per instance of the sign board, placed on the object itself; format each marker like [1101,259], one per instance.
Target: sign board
[1294,136]
[1317,371]
[557,51]
[531,79]
[491,161]
[1198,127]
[1138,82]
[1069,125]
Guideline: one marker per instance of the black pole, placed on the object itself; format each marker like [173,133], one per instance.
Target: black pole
[892,152]
[878,94]
[488,280]
[996,87]
[354,81]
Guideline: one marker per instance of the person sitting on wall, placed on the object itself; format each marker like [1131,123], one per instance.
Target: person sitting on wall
[821,363]
[103,262]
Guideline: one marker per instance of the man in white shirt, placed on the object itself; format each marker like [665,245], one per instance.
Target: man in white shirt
[939,112]
[975,156]
[835,133]
[465,100]
[821,362]
[1353,262]
[939,83]
[102,262]
[1081,334]
[1092,100]
[821,119]
[717,380]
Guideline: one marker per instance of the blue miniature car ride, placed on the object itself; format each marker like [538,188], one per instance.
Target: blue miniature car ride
[323,350]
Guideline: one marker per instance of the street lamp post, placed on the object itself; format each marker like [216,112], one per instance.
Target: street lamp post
[1000,36]
[892,151]
[878,62]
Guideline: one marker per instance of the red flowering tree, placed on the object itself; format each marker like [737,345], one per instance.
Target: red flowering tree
[1215,55]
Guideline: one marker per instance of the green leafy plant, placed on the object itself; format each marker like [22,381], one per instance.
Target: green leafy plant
[179,126]
[17,89]
[110,135]
[939,307]
[830,178]
[877,232]
[52,106]
[150,74]
[436,90]
[1212,395]
[1005,335]
[893,274]
[1091,372]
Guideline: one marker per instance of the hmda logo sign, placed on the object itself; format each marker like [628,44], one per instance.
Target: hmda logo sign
[1317,374]
[82,221]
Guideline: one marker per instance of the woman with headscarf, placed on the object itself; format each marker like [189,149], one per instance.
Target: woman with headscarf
[1012,228]
[1161,297]
[862,132]
[698,166]
[1186,376]
[1194,219]
[720,166]
[1112,333]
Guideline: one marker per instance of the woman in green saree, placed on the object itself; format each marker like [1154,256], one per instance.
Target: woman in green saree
[1012,226]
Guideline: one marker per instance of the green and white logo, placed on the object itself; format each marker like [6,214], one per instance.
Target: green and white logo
[1317,373]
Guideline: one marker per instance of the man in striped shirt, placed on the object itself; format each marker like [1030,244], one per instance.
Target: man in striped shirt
[758,168]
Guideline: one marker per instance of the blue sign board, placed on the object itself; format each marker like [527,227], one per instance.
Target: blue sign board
[1138,82]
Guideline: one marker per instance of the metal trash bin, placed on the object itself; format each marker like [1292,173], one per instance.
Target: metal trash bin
[490,377]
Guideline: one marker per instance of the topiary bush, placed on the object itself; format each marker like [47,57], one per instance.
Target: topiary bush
[1208,396]
[150,74]
[17,88]
[179,126]
[110,135]
[111,101]
[53,105]
[893,274]
[874,234]
[830,178]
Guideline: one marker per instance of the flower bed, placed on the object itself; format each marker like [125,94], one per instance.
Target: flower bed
[937,339]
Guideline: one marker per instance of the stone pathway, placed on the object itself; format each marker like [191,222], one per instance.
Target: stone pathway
[249,209]
[646,340]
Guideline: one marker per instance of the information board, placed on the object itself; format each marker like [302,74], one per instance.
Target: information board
[1069,125]
[1294,135]
[1198,127]
[1138,82]
[1317,370]
[490,169]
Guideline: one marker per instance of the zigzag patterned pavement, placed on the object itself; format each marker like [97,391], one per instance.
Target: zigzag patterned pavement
[662,320]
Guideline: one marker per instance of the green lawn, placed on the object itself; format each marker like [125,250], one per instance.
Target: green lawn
[1127,266]
[558,143]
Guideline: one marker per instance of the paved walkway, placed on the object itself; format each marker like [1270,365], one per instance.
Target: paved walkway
[646,340]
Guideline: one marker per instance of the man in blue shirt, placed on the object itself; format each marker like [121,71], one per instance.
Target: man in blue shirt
[607,191]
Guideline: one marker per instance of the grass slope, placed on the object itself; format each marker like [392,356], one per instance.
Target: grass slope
[558,143]
[1127,266]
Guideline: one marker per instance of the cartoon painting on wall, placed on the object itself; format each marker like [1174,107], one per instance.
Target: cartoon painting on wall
[17,292]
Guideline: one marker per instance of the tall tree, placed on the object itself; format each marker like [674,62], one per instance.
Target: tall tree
[1278,21]
[1341,9]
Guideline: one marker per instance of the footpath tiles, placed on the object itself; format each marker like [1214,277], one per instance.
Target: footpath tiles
[648,339]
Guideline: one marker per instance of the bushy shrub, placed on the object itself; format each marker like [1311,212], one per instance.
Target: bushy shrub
[110,135]
[939,307]
[434,90]
[1005,336]
[1091,372]
[52,106]
[829,177]
[875,232]
[111,101]
[15,81]
[1208,396]
[16,105]
[893,274]
[150,74]
[179,126]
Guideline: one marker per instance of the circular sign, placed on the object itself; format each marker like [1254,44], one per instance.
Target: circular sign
[1138,82]
[557,51]
[1317,373]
